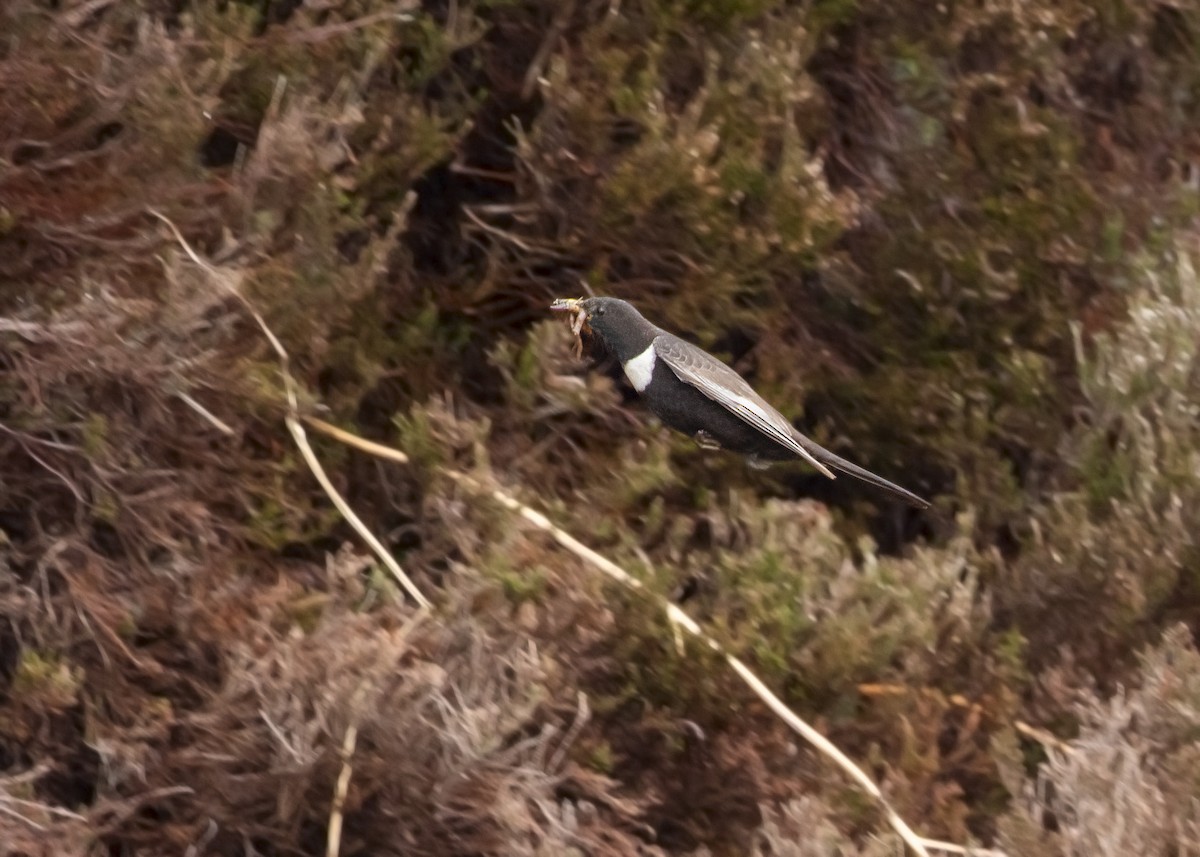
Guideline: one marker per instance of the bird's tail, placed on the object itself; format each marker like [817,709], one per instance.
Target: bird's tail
[836,461]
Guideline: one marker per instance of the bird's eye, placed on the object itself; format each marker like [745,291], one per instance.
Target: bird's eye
[600,311]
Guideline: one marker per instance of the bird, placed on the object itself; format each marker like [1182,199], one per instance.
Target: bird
[693,392]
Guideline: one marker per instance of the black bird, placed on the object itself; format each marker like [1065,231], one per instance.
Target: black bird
[697,394]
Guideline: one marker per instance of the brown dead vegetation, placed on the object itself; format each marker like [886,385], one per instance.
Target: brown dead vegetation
[956,244]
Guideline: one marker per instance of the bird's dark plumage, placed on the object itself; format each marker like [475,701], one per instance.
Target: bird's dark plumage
[695,393]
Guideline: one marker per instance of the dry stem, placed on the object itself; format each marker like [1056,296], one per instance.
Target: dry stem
[342,787]
[679,619]
[294,426]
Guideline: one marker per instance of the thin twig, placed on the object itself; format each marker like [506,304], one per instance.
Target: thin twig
[1043,737]
[376,546]
[583,714]
[280,737]
[497,175]
[210,832]
[553,34]
[293,423]
[683,620]
[71,486]
[118,816]
[334,837]
[1032,732]
[33,331]
[44,807]
[368,446]
[495,230]
[951,848]
[320,34]
[41,828]
[677,617]
[514,239]
[208,416]
[74,17]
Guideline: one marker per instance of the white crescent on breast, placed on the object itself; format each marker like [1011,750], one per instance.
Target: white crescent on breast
[640,370]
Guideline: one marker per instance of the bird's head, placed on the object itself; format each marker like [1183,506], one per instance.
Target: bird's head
[623,329]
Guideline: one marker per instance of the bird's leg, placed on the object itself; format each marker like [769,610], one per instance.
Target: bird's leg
[706,440]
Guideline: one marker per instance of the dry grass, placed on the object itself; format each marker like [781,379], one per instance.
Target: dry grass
[911,228]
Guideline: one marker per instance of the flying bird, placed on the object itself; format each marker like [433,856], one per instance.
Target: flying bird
[695,393]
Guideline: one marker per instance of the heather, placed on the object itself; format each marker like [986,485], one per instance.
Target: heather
[955,243]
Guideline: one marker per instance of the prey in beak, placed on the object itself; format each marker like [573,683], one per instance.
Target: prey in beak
[579,319]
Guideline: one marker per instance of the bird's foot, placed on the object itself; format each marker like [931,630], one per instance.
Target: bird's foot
[757,463]
[706,440]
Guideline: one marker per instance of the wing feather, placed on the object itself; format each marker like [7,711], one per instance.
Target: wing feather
[727,388]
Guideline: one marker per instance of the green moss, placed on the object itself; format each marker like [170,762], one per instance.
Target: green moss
[380,586]
[1103,472]
[642,473]
[519,584]
[279,515]
[829,14]
[306,611]
[724,15]
[428,49]
[105,505]
[522,367]
[816,621]
[94,436]
[127,627]
[415,437]
[426,139]
[1011,652]
[656,674]
[856,809]
[46,679]
[600,757]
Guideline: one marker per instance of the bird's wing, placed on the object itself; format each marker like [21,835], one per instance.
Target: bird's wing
[727,388]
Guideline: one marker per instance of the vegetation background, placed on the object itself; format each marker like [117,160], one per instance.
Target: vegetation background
[956,241]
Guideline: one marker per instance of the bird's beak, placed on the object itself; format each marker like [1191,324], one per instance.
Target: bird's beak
[575,307]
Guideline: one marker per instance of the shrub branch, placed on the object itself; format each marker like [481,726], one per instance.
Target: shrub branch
[678,619]
[293,423]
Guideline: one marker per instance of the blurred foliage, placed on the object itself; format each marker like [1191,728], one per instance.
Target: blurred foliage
[955,242]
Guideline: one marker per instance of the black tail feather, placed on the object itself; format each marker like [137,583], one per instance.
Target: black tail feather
[837,462]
